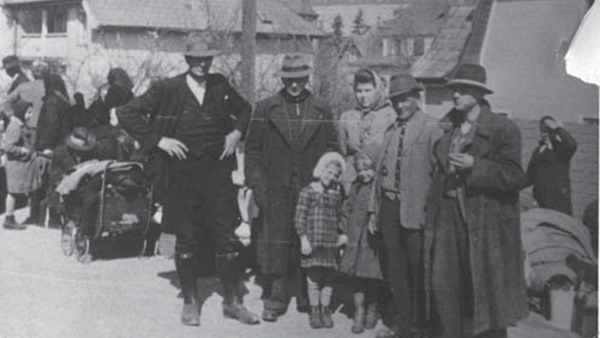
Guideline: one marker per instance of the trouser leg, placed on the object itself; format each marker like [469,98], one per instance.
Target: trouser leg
[186,270]
[395,264]
[452,285]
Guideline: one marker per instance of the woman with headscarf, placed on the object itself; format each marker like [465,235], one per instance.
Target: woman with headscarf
[362,128]
[55,104]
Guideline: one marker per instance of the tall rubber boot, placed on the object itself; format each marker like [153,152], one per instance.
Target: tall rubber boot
[186,270]
[228,267]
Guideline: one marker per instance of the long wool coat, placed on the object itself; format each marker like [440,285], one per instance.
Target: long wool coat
[491,203]
[276,172]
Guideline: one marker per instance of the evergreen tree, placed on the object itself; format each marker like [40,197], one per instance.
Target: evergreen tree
[359,22]
[338,24]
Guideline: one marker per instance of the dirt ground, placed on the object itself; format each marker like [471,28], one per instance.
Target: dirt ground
[48,295]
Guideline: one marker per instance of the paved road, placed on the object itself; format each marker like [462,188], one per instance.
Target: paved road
[45,294]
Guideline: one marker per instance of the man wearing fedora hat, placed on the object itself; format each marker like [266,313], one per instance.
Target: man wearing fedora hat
[288,134]
[397,206]
[190,126]
[473,255]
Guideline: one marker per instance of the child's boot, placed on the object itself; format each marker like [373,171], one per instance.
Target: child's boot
[314,318]
[326,320]
[358,326]
[372,316]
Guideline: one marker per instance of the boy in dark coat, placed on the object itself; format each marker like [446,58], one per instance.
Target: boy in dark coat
[548,169]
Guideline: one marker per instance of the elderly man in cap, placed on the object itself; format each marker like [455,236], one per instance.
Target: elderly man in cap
[190,126]
[12,66]
[397,206]
[473,254]
[288,134]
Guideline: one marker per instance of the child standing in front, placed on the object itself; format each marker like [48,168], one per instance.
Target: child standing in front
[319,226]
[361,260]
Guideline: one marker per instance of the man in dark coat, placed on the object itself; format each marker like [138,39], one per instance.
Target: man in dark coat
[288,134]
[473,253]
[191,125]
[13,69]
[549,167]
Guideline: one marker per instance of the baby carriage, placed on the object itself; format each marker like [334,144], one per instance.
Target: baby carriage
[104,199]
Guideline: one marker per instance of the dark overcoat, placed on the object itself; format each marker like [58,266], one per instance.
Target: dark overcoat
[49,132]
[273,168]
[491,205]
[154,114]
[548,171]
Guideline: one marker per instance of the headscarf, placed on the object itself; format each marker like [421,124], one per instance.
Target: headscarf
[118,77]
[54,84]
[381,99]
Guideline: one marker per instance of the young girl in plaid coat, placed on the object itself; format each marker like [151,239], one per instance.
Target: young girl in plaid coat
[319,226]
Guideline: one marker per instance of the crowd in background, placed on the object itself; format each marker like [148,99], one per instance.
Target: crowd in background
[393,200]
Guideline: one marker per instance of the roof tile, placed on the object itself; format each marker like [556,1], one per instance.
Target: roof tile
[273,17]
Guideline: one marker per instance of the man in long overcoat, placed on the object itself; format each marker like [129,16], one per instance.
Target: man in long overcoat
[288,133]
[191,125]
[473,253]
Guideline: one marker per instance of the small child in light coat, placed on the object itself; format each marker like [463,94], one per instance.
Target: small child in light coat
[319,226]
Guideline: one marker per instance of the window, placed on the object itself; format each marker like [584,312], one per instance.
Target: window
[56,20]
[31,21]
[53,19]
[419,46]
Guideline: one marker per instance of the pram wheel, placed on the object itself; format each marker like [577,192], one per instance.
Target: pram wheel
[67,238]
[82,247]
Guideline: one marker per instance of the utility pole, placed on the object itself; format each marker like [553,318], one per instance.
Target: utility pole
[248,51]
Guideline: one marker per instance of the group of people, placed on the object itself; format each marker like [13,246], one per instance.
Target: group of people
[387,198]
[45,137]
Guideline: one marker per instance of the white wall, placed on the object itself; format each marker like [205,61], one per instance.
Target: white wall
[521,53]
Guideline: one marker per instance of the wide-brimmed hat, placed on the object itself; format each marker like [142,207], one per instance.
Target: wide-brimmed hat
[470,75]
[81,139]
[10,61]
[403,83]
[200,49]
[294,66]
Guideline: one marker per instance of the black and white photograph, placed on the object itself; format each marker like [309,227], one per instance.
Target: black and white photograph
[299,168]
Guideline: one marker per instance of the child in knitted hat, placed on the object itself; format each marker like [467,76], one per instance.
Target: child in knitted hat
[321,232]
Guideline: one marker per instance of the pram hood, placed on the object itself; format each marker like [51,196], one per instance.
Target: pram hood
[71,181]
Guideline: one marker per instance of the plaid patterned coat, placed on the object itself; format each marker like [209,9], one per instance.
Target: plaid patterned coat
[318,215]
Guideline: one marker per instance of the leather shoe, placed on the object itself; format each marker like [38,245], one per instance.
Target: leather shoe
[270,315]
[241,313]
[190,316]
[387,333]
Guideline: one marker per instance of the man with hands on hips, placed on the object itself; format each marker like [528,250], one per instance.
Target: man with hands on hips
[189,127]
